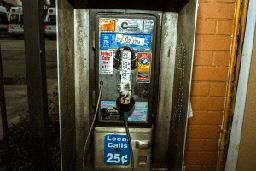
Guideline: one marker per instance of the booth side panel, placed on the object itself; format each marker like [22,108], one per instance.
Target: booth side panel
[182,81]
[81,69]
[163,117]
[65,58]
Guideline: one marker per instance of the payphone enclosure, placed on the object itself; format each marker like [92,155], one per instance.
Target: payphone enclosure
[157,139]
[117,35]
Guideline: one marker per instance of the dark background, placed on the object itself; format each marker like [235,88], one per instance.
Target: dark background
[161,5]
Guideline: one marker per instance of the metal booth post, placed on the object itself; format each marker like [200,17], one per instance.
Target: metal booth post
[124,79]
[36,82]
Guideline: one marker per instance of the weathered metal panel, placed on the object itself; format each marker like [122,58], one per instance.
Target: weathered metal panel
[81,67]
[181,84]
[65,56]
[167,62]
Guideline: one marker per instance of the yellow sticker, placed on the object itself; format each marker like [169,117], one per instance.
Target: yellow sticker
[107,25]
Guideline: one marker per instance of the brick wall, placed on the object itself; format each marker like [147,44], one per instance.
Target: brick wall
[210,74]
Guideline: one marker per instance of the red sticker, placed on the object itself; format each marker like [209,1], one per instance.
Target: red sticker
[144,67]
[106,62]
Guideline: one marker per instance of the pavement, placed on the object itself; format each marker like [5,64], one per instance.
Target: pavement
[13,55]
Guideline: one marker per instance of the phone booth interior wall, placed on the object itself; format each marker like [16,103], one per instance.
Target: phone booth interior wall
[133,67]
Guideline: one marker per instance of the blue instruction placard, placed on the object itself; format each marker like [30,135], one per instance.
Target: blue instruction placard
[139,114]
[134,41]
[116,150]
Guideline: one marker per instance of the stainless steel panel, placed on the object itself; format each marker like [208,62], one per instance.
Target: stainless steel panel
[141,145]
[167,63]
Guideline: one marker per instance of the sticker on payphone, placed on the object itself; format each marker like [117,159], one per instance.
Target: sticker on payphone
[134,41]
[116,150]
[106,62]
[144,63]
[107,25]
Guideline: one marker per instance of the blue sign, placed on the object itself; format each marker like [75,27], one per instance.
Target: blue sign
[141,42]
[116,150]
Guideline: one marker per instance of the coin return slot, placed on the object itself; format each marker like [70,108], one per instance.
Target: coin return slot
[142,160]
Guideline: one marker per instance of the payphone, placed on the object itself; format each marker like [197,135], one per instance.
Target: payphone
[125,67]
[129,62]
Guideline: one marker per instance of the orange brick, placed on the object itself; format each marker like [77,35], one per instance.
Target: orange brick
[206,118]
[201,158]
[210,73]
[207,103]
[224,27]
[203,132]
[199,168]
[205,26]
[214,27]
[213,42]
[197,145]
[216,10]
[217,89]
[221,58]
[200,89]
[203,58]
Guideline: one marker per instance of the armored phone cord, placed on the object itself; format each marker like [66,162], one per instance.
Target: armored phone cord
[92,125]
[129,138]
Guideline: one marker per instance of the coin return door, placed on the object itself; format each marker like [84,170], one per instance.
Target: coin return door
[125,62]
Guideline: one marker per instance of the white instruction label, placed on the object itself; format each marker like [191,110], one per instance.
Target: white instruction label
[126,67]
[132,40]
[125,72]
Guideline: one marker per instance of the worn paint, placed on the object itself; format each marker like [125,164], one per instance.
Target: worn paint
[182,81]
[235,135]
[81,69]
[167,63]
[65,61]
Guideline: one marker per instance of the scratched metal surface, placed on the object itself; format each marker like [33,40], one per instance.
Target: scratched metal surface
[182,82]
[167,66]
